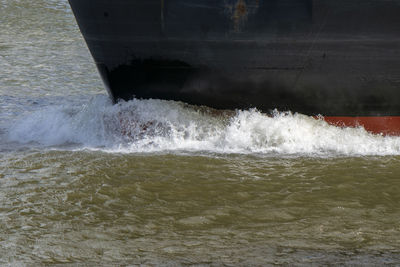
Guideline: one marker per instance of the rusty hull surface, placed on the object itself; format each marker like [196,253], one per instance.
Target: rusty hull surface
[329,57]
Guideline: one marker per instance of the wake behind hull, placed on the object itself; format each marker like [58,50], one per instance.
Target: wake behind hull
[333,58]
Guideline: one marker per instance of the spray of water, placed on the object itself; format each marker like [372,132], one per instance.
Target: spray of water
[156,125]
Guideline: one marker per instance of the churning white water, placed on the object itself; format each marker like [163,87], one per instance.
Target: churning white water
[157,126]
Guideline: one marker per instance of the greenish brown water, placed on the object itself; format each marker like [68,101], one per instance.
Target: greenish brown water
[163,183]
[189,209]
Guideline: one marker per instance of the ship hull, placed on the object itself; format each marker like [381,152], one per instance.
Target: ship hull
[339,59]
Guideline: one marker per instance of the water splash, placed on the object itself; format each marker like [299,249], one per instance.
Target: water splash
[157,125]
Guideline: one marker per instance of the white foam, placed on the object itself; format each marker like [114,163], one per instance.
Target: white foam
[156,125]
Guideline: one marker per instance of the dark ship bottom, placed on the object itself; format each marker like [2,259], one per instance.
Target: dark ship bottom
[338,60]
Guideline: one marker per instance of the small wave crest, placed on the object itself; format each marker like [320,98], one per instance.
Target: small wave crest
[157,125]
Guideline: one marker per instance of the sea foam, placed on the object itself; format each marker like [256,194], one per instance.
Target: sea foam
[165,126]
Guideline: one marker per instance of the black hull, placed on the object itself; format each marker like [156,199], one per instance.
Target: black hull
[329,57]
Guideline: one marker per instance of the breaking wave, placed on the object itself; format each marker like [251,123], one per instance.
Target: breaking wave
[159,126]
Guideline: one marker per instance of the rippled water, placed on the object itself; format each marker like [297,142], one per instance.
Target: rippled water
[160,182]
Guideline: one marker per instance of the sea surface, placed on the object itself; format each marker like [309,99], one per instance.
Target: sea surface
[152,182]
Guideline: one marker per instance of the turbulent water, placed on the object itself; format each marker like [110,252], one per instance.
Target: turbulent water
[164,183]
